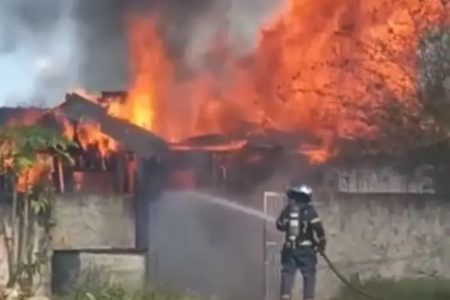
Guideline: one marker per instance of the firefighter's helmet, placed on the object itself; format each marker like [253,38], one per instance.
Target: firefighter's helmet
[300,193]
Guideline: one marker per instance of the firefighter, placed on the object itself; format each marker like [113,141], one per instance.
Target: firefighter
[304,237]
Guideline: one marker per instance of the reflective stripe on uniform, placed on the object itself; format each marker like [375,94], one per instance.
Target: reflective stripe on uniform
[315,220]
[294,222]
[306,243]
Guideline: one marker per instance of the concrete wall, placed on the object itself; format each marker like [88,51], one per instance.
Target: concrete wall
[385,236]
[71,268]
[393,226]
[203,246]
[94,221]
[86,221]
[384,180]
[382,223]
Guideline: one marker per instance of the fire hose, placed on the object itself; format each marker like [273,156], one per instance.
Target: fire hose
[346,281]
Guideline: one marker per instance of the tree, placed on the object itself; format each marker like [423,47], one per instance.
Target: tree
[26,155]
[435,75]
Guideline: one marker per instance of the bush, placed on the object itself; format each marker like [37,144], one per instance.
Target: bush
[406,289]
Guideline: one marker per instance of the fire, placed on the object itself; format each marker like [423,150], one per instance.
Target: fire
[29,177]
[151,75]
[327,67]
[316,65]
[330,56]
[87,133]
[24,117]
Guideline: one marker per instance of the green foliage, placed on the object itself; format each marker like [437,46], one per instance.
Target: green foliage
[24,150]
[116,292]
[40,198]
[406,289]
[23,144]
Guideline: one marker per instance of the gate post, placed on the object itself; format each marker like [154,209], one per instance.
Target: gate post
[273,203]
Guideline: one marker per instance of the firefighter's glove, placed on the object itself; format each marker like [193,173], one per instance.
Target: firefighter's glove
[321,246]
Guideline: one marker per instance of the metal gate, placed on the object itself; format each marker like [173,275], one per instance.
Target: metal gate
[273,204]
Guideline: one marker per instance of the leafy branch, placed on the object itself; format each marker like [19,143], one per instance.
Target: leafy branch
[26,155]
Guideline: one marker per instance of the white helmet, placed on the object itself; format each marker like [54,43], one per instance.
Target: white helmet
[303,189]
[300,192]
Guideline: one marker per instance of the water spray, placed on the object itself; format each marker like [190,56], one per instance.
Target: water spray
[233,205]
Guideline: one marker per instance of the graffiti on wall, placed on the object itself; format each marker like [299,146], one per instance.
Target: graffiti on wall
[385,180]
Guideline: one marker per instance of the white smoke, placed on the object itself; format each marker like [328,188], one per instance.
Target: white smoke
[206,247]
[38,51]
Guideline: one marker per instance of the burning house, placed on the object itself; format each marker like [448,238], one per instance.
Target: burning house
[318,85]
[100,161]
[116,156]
[111,149]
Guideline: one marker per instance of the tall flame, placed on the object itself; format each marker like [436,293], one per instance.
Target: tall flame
[151,74]
[321,65]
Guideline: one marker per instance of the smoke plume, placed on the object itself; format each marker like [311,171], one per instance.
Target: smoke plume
[48,47]
[205,247]
[190,27]
[38,51]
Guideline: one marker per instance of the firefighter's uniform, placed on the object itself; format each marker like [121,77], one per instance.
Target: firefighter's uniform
[305,236]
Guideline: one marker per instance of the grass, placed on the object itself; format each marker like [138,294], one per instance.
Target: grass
[120,293]
[406,289]
[96,285]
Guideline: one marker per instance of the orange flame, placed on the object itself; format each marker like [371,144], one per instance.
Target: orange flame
[322,66]
[24,117]
[31,176]
[151,71]
[327,67]
[28,176]
[315,64]
[88,133]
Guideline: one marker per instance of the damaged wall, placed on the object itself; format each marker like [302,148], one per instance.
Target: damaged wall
[216,250]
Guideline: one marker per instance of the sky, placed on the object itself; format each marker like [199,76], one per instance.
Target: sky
[38,46]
